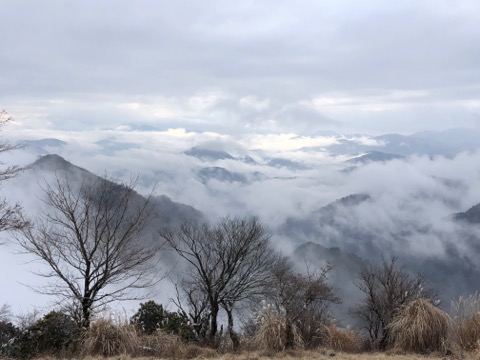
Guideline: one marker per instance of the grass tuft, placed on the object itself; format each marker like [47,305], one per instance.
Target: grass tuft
[420,327]
[272,334]
[161,344]
[344,340]
[106,338]
[467,322]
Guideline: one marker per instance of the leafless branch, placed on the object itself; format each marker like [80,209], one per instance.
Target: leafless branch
[228,262]
[90,236]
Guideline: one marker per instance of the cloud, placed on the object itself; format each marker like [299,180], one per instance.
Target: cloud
[256,78]
[410,199]
[241,67]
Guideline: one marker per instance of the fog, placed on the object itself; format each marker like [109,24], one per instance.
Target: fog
[408,212]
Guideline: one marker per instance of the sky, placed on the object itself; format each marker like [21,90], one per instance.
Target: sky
[270,75]
[262,67]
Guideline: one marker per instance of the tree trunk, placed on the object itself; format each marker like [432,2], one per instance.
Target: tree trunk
[213,324]
[289,341]
[385,341]
[232,333]
[86,313]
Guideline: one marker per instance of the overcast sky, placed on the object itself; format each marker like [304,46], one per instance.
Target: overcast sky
[242,67]
[256,68]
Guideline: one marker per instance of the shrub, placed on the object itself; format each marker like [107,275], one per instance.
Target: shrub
[419,326]
[54,334]
[272,333]
[105,338]
[345,340]
[467,322]
[8,333]
[152,317]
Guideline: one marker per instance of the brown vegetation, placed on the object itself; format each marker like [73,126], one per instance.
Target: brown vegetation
[419,326]
[105,338]
[344,340]
[386,288]
[467,322]
[272,334]
[287,355]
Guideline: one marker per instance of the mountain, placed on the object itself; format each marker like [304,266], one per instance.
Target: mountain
[43,146]
[285,163]
[471,216]
[456,140]
[349,200]
[345,267]
[220,174]
[355,226]
[55,163]
[169,212]
[341,261]
[413,145]
[331,215]
[375,156]
[165,211]
[208,154]
[431,143]
[248,160]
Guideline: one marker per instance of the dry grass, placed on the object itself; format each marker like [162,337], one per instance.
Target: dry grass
[272,334]
[161,344]
[301,355]
[420,327]
[344,340]
[467,322]
[105,338]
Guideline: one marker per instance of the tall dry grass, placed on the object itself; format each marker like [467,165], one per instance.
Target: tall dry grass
[420,327]
[467,322]
[298,355]
[272,333]
[161,344]
[107,338]
[345,340]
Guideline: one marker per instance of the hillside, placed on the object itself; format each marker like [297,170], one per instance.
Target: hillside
[166,212]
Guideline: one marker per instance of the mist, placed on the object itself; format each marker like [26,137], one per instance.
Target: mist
[286,180]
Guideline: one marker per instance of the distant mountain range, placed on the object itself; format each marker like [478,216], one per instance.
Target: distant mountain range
[445,143]
[375,156]
[359,149]
[348,232]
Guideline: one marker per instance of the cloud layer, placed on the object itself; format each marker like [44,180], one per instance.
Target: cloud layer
[247,67]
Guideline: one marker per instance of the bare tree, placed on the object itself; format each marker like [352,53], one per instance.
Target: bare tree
[90,238]
[228,262]
[300,298]
[385,288]
[10,214]
[193,304]
[5,313]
